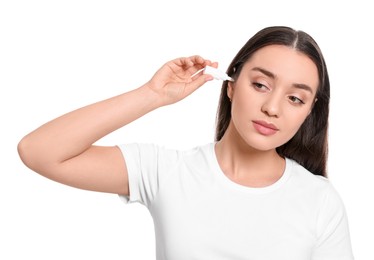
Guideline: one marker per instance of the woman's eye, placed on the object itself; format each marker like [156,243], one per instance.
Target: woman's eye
[260,86]
[296,100]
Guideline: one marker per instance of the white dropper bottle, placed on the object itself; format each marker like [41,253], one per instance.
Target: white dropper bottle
[217,74]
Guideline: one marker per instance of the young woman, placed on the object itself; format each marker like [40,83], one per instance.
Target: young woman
[259,192]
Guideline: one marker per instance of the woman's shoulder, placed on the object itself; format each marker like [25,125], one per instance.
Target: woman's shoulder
[306,179]
[168,153]
[187,150]
[315,187]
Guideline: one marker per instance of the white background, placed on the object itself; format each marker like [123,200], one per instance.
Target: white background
[56,56]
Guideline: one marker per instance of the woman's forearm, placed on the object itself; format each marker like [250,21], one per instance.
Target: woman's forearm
[71,134]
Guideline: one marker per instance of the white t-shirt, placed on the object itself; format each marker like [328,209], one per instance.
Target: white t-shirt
[199,213]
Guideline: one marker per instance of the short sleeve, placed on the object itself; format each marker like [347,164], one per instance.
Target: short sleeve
[333,238]
[148,165]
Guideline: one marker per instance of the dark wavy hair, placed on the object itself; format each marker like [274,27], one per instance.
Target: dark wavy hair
[309,145]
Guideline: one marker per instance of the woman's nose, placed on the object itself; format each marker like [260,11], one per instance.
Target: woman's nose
[272,106]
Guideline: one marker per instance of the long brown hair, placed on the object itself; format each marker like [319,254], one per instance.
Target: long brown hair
[309,145]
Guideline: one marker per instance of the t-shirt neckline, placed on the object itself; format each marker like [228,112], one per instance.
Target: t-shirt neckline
[256,190]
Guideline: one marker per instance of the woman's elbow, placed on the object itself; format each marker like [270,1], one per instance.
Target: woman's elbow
[26,152]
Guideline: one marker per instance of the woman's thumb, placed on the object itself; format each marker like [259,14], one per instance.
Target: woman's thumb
[198,82]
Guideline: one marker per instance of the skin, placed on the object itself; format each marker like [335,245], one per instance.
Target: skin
[277,85]
[63,150]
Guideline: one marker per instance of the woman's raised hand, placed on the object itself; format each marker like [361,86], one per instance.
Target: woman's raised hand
[177,79]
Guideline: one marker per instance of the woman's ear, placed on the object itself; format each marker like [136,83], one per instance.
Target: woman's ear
[230,89]
[315,101]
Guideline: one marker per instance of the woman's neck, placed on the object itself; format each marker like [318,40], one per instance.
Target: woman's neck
[248,166]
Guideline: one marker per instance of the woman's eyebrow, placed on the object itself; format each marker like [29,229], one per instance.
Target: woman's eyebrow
[273,76]
[264,71]
[303,86]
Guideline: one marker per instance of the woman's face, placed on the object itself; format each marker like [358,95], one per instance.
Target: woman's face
[272,96]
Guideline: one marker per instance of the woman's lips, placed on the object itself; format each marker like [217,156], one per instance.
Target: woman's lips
[265,128]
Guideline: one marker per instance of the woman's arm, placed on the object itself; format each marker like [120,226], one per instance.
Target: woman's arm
[63,149]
